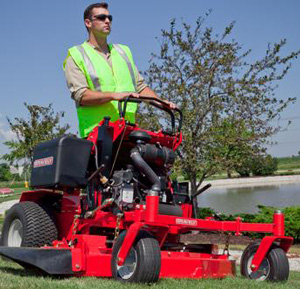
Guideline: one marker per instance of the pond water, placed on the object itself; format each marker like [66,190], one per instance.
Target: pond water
[246,200]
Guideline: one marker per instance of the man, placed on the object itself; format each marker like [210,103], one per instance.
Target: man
[100,74]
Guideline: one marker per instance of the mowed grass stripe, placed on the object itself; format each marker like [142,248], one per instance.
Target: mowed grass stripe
[13,276]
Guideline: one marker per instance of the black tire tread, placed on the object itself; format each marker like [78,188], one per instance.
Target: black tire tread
[149,255]
[282,272]
[39,228]
[279,264]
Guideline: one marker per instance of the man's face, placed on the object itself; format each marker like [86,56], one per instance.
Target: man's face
[99,24]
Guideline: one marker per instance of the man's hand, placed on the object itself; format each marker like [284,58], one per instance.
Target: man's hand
[147,91]
[124,95]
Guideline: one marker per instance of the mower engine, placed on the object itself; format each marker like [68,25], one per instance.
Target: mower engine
[147,172]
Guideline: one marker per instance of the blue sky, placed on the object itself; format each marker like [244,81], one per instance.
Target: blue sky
[37,34]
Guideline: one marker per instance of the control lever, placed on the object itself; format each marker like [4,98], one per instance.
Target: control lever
[99,171]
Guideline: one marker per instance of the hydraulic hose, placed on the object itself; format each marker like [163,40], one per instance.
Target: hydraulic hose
[139,162]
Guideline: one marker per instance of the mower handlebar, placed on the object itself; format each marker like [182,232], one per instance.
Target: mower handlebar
[155,102]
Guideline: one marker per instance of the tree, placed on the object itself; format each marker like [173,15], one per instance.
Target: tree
[228,102]
[5,174]
[259,165]
[264,166]
[42,124]
[233,144]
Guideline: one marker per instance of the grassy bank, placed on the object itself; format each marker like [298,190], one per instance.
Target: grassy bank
[12,185]
[14,276]
[289,163]
[285,166]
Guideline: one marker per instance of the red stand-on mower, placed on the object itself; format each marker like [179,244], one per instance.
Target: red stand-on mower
[105,206]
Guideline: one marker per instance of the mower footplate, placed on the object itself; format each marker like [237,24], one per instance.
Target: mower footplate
[51,261]
[196,265]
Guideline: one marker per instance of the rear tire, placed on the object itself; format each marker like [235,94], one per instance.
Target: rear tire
[27,224]
[143,262]
[274,267]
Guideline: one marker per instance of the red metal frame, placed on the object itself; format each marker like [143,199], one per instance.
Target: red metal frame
[91,255]
[119,126]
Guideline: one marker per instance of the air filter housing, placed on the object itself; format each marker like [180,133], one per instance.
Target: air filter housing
[61,163]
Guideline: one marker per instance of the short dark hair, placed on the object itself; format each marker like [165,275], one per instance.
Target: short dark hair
[88,11]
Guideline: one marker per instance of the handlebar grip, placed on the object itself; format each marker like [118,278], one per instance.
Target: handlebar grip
[155,102]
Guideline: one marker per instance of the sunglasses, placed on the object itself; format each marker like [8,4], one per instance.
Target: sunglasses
[102,17]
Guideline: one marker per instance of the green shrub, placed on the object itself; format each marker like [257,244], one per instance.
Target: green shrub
[244,168]
[5,174]
[292,222]
[258,166]
[264,166]
[202,213]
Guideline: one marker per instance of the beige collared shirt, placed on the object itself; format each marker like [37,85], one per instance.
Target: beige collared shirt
[77,82]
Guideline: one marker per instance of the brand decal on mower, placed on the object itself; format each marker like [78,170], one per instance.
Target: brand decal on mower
[186,222]
[43,162]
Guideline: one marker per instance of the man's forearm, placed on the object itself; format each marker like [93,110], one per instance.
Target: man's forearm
[91,98]
[147,91]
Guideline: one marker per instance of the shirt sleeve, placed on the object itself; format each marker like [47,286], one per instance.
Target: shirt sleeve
[140,82]
[76,80]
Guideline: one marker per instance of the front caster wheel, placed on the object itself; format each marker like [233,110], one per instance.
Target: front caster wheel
[143,262]
[274,267]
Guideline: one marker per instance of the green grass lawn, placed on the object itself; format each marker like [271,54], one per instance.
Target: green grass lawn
[12,276]
[289,163]
[18,188]
[17,184]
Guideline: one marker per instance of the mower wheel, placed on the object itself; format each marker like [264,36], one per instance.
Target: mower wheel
[27,224]
[143,262]
[274,267]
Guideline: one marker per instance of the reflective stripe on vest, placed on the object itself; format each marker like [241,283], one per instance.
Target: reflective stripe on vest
[90,68]
[125,57]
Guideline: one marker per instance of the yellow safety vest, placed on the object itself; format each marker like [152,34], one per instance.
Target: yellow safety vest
[101,77]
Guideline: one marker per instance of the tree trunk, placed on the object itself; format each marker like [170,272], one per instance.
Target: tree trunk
[229,174]
[194,190]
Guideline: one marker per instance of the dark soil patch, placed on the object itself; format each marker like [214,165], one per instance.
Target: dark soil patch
[211,238]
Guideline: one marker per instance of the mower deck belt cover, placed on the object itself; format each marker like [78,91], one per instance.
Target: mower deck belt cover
[61,163]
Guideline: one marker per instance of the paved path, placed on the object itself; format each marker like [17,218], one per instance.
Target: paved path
[253,181]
